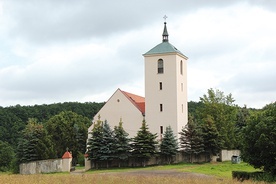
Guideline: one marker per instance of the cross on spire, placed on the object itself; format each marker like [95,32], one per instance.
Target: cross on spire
[165,17]
[165,34]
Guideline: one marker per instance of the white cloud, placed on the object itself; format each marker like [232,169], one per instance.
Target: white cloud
[56,51]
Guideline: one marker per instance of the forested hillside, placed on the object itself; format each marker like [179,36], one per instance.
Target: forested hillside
[13,119]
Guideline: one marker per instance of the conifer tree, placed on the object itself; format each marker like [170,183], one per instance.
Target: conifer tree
[168,146]
[122,145]
[94,143]
[143,145]
[108,144]
[35,144]
[211,139]
[191,140]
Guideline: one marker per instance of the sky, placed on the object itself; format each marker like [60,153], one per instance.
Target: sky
[83,50]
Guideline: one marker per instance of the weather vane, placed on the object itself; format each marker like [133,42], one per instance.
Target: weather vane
[165,17]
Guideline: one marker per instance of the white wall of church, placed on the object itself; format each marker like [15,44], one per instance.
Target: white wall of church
[119,106]
[173,95]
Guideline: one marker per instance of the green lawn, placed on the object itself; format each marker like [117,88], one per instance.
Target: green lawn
[219,169]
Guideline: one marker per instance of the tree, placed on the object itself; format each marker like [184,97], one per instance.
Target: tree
[94,143]
[122,145]
[35,144]
[107,144]
[68,130]
[191,140]
[6,156]
[259,145]
[211,139]
[224,114]
[168,146]
[143,146]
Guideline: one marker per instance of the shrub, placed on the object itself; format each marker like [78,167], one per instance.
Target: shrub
[256,176]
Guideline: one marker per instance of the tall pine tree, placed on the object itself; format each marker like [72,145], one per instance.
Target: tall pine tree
[122,145]
[191,140]
[143,145]
[168,146]
[108,144]
[94,143]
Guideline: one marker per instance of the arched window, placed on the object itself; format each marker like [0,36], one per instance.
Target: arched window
[160,66]
[181,67]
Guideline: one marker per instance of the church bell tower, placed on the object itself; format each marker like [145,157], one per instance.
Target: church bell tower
[165,87]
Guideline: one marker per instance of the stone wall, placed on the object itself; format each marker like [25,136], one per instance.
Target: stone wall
[180,157]
[41,166]
[226,155]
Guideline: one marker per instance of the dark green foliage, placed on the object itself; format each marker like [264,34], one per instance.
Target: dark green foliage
[35,144]
[259,146]
[143,146]
[121,143]
[255,176]
[191,139]
[94,143]
[107,148]
[68,130]
[6,156]
[10,126]
[224,114]
[169,145]
[243,116]
[211,137]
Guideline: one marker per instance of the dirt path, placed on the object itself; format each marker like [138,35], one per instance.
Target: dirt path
[161,173]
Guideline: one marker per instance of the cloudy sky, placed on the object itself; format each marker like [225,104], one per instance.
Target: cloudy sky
[83,50]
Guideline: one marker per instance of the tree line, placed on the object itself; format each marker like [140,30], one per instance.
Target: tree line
[25,131]
[215,123]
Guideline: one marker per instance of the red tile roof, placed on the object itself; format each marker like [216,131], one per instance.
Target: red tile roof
[67,154]
[138,101]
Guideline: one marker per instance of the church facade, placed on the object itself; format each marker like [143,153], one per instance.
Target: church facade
[165,102]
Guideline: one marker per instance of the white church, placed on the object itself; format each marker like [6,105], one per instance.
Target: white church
[165,101]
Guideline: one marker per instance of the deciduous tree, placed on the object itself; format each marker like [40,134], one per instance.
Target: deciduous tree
[259,145]
[68,130]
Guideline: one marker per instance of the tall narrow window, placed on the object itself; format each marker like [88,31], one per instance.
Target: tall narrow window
[160,86]
[181,86]
[182,108]
[181,67]
[160,66]
[161,129]
[161,107]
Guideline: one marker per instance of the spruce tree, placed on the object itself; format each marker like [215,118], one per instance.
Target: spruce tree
[122,145]
[94,143]
[143,146]
[168,146]
[35,143]
[108,144]
[191,140]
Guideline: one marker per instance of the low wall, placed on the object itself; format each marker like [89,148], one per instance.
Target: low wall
[179,157]
[41,166]
[226,155]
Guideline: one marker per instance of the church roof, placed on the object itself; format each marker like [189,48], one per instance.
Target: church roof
[165,46]
[138,101]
